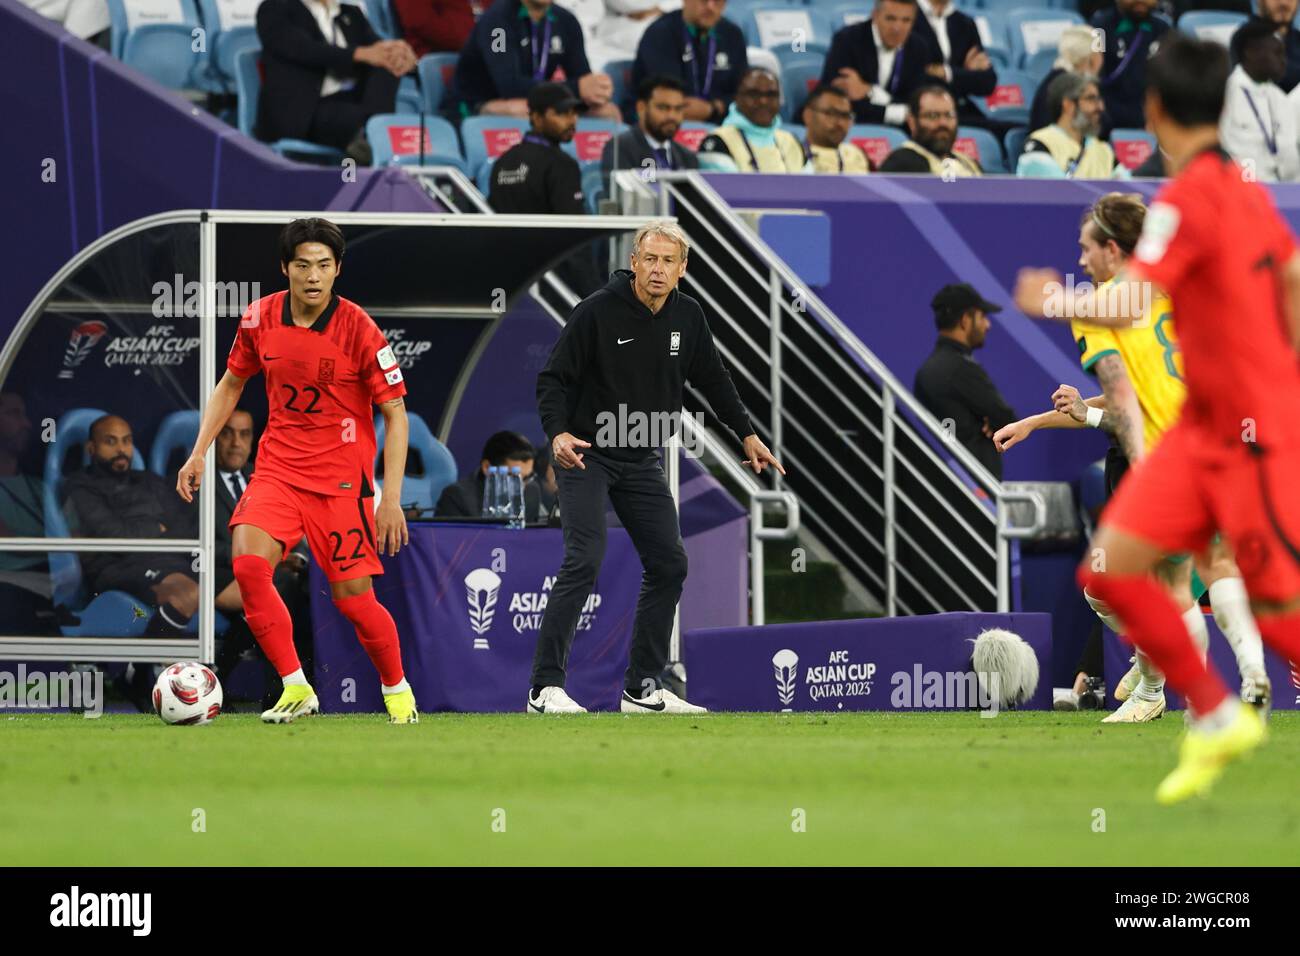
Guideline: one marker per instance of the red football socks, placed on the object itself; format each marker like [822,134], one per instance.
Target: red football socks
[377,633]
[265,612]
[1153,623]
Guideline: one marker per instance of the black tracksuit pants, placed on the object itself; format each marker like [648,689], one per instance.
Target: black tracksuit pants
[639,492]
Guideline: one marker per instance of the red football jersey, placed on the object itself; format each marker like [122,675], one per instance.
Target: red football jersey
[1215,243]
[321,385]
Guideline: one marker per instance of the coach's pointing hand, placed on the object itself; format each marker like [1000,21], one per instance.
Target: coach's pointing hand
[565,450]
[188,478]
[758,457]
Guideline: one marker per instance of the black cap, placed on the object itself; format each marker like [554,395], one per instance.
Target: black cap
[552,96]
[959,298]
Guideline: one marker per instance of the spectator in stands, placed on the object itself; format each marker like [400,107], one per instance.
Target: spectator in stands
[1068,147]
[542,43]
[953,386]
[537,176]
[965,67]
[751,139]
[1130,35]
[1258,124]
[1280,15]
[24,576]
[1075,54]
[932,123]
[327,72]
[660,106]
[700,47]
[434,26]
[86,19]
[617,36]
[828,116]
[880,62]
[465,498]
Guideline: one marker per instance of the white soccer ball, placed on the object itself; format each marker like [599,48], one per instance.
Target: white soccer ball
[187,693]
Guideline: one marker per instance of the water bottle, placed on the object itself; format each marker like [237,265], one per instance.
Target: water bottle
[516,498]
[490,492]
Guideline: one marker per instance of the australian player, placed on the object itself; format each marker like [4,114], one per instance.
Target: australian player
[326,365]
[1215,242]
[1140,370]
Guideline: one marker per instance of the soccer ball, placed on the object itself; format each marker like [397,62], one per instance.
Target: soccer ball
[187,693]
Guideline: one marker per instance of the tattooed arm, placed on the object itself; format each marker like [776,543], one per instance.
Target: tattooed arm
[1123,415]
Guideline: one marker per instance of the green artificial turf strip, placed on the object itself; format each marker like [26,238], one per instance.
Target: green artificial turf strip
[894,789]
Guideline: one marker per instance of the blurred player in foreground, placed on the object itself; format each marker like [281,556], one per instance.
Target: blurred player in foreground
[326,362]
[1216,243]
[1140,369]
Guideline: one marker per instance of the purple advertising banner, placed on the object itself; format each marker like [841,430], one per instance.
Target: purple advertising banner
[910,663]
[1286,691]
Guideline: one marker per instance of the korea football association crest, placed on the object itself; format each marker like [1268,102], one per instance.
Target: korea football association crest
[325,373]
[674,343]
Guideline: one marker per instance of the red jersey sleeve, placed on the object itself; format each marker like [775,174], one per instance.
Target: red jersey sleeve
[378,366]
[1174,236]
[244,360]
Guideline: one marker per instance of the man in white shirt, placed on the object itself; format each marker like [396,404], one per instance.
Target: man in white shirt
[1258,124]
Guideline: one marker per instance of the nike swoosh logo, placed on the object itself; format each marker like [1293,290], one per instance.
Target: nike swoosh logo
[532,706]
[349,567]
[625,341]
[633,700]
[269,358]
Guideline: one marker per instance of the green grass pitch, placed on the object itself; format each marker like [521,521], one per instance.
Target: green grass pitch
[874,789]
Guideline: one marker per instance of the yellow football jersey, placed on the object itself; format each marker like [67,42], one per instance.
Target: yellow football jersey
[1151,356]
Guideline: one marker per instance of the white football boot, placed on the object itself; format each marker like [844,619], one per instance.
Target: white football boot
[553,700]
[1128,683]
[1258,692]
[1137,710]
[660,702]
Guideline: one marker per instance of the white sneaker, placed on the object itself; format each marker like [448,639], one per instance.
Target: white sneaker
[553,700]
[1258,692]
[1137,710]
[660,702]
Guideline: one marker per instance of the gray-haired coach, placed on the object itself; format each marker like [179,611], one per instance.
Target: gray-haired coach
[613,379]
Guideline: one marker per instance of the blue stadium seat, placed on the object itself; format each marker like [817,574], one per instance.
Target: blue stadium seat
[772,26]
[692,132]
[620,74]
[177,431]
[248,82]
[797,80]
[1014,142]
[876,141]
[394,138]
[483,178]
[380,16]
[231,28]
[1011,99]
[1039,64]
[795,130]
[847,14]
[127,15]
[428,471]
[1001,58]
[409,98]
[589,141]
[1030,30]
[161,51]
[487,137]
[987,150]
[813,52]
[436,71]
[593,186]
[1217,25]
[994,33]
[1132,146]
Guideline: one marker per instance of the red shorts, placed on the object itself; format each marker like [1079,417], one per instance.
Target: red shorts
[1193,485]
[340,531]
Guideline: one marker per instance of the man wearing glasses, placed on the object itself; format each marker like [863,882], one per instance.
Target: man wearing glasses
[751,140]
[1068,148]
[828,116]
[932,122]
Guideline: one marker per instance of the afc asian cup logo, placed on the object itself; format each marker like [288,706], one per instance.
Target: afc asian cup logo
[786,663]
[80,342]
[482,586]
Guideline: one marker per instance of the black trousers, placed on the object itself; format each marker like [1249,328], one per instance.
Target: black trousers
[340,116]
[639,493]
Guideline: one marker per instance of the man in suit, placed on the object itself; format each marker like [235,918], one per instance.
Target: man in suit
[465,498]
[966,68]
[660,106]
[880,61]
[327,72]
[1132,34]
[700,47]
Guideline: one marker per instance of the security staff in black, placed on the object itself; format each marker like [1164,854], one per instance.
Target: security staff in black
[952,385]
[610,396]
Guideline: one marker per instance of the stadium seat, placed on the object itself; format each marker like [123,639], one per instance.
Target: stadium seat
[1040,64]
[1001,58]
[1132,146]
[231,26]
[487,137]
[1031,30]
[379,15]
[795,130]
[692,133]
[483,178]
[992,27]
[429,465]
[436,71]
[877,141]
[981,146]
[1010,100]
[409,98]
[395,139]
[248,82]
[161,51]
[797,80]
[814,51]
[1216,25]
[772,26]
[1014,142]
[620,74]
[593,186]
[590,139]
[177,431]
[847,14]
[127,15]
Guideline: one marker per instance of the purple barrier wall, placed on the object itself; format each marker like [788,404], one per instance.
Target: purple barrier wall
[877,664]
[119,148]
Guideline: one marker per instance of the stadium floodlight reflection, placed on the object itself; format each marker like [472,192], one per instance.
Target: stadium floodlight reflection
[414,265]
